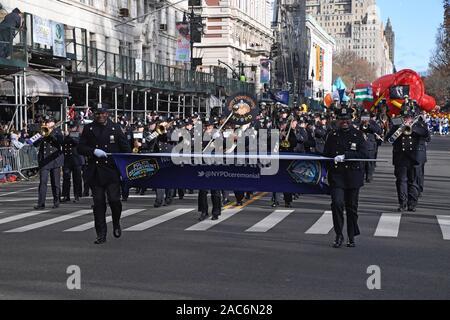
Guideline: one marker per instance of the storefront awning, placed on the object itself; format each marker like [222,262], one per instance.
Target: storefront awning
[39,84]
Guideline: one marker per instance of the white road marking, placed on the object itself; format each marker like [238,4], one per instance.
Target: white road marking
[389,225]
[444,223]
[324,225]
[91,225]
[50,221]
[7,194]
[271,221]
[208,224]
[158,220]
[21,216]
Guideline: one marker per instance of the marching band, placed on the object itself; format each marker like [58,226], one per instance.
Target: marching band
[342,132]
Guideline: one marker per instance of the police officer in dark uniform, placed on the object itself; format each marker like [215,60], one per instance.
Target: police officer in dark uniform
[72,164]
[371,130]
[409,154]
[215,194]
[99,138]
[345,178]
[164,197]
[51,159]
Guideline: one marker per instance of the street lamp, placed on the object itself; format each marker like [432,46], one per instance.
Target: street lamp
[312,88]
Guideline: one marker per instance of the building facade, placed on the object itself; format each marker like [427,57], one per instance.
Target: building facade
[321,59]
[356,26]
[238,34]
[152,37]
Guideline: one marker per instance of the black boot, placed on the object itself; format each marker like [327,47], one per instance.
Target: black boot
[338,242]
[65,199]
[402,208]
[100,240]
[203,216]
[351,243]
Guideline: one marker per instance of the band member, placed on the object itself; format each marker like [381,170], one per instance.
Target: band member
[288,135]
[99,138]
[320,134]
[72,164]
[215,194]
[345,178]
[51,159]
[409,154]
[372,133]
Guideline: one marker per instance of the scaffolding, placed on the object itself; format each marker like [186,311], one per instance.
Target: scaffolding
[99,74]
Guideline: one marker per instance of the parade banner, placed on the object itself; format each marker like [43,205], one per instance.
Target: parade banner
[59,40]
[320,54]
[159,171]
[42,31]
[183,52]
[265,71]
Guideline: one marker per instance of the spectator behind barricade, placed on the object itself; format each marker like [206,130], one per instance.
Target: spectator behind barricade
[15,141]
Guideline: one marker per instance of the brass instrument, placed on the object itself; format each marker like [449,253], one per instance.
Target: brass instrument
[404,129]
[159,131]
[285,144]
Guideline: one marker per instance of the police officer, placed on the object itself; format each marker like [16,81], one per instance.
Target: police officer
[99,138]
[409,155]
[345,178]
[72,164]
[51,159]
[371,130]
[215,194]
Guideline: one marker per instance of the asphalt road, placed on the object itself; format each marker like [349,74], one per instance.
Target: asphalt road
[256,253]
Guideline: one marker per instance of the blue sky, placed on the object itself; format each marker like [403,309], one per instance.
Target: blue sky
[415,24]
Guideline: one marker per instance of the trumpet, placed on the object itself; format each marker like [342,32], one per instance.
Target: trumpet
[285,144]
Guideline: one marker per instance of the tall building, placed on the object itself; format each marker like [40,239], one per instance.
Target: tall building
[238,34]
[356,26]
[390,38]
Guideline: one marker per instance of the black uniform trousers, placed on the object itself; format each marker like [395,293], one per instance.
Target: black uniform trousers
[369,168]
[55,181]
[100,193]
[215,199]
[345,199]
[86,185]
[407,182]
[70,172]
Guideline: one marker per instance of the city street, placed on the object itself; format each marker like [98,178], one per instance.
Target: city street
[252,252]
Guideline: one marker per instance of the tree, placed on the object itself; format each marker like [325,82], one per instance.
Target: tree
[438,82]
[350,67]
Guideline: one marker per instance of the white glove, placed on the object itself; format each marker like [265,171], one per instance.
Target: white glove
[216,135]
[340,158]
[100,153]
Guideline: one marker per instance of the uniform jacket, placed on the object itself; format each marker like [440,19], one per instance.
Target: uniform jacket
[410,150]
[50,154]
[372,142]
[320,134]
[109,138]
[351,143]
[71,156]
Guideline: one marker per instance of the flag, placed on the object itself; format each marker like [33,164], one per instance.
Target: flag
[281,97]
[364,94]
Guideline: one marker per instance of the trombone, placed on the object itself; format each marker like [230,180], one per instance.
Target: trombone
[285,144]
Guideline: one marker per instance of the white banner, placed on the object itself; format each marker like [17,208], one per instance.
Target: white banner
[42,31]
[59,41]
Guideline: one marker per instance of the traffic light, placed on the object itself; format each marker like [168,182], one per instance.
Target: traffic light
[196,62]
[196,29]
[194,3]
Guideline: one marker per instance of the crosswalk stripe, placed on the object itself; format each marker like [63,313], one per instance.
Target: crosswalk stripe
[444,223]
[271,221]
[21,216]
[389,225]
[90,225]
[208,224]
[50,221]
[324,225]
[9,193]
[158,220]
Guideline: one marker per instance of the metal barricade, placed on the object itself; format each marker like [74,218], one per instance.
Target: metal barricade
[13,160]
[9,160]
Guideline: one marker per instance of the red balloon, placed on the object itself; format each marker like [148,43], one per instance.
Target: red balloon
[328,100]
[405,77]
